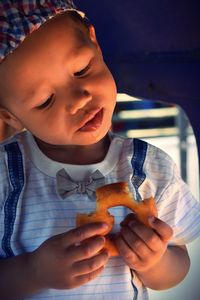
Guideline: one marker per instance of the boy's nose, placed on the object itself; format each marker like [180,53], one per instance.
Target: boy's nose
[79,101]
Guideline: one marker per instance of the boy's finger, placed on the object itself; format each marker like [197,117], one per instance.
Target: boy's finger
[86,249]
[127,219]
[82,279]
[82,233]
[91,264]
[163,229]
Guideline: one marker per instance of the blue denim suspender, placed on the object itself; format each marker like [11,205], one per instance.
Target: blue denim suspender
[16,175]
[137,161]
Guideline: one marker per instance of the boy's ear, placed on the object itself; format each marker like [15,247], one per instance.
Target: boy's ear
[10,119]
[93,38]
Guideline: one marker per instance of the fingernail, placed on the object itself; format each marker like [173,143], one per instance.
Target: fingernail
[103,239]
[151,219]
[105,225]
[132,223]
[77,244]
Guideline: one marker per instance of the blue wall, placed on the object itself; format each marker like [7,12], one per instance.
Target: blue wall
[152,48]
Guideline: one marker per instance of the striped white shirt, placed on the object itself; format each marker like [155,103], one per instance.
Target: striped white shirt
[31,210]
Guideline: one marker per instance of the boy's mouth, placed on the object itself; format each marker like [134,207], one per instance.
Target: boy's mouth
[94,123]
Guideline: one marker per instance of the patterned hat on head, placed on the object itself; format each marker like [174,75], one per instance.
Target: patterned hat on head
[18,18]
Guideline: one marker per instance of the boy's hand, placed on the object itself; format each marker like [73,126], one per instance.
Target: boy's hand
[142,247]
[70,259]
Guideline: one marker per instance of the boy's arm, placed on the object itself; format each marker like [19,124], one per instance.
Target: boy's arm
[169,271]
[17,277]
[146,251]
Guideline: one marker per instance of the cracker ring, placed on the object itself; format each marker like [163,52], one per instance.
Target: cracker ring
[116,194]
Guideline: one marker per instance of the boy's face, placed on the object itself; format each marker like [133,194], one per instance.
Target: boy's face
[57,85]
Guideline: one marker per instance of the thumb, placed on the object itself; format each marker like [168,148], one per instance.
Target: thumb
[162,229]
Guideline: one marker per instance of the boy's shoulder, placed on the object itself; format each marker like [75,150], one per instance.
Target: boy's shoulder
[12,146]
[151,152]
[11,153]
[12,139]
[154,162]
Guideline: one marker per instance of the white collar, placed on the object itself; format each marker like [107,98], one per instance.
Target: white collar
[76,172]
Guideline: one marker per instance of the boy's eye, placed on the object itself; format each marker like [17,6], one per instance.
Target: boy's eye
[82,72]
[47,103]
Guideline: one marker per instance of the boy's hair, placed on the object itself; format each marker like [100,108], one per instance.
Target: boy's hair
[20,18]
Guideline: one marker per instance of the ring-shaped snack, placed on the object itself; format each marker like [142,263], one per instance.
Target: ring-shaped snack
[111,195]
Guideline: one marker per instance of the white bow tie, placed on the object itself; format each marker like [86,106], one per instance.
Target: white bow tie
[66,186]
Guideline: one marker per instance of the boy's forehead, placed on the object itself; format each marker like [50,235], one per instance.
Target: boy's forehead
[64,25]
[61,29]
[61,33]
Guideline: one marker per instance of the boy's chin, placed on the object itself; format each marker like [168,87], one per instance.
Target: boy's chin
[94,139]
[86,139]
